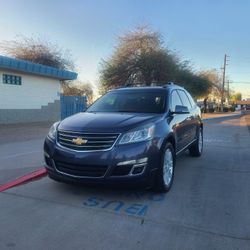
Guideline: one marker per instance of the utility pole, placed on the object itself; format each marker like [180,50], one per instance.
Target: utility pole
[228,91]
[223,82]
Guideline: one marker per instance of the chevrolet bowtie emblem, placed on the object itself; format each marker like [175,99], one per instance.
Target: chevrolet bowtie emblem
[79,141]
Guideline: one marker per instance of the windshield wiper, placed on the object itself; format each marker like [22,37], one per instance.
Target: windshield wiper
[129,111]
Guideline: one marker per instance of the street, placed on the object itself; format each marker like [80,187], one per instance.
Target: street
[207,207]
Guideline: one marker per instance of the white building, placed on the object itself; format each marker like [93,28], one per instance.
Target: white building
[29,92]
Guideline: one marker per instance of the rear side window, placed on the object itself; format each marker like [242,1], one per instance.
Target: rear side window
[184,99]
[175,100]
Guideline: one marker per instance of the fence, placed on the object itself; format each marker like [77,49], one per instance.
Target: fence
[71,105]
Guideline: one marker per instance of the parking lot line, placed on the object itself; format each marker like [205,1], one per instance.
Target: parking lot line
[25,178]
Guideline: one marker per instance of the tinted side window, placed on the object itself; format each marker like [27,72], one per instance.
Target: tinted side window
[175,100]
[191,99]
[184,99]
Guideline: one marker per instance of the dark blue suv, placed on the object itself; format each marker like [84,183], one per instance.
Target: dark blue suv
[128,136]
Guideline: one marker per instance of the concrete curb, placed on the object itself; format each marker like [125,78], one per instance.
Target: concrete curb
[25,178]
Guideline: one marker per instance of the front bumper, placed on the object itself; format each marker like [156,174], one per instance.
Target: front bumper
[124,164]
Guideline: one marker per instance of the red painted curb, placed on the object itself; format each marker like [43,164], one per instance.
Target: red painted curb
[20,180]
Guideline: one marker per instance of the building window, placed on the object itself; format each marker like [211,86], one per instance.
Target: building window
[11,79]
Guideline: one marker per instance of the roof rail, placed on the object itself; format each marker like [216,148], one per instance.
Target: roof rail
[167,84]
[128,85]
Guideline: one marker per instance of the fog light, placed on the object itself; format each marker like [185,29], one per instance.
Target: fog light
[137,170]
[136,166]
[48,160]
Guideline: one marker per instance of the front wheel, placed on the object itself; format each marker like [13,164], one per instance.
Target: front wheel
[197,148]
[165,174]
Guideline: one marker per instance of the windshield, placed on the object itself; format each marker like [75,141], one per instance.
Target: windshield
[130,101]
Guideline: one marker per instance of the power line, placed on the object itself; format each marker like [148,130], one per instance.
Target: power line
[240,82]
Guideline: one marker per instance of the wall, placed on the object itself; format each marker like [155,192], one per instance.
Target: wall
[34,92]
[37,99]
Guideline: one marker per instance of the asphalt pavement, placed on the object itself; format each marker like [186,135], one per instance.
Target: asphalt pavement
[207,207]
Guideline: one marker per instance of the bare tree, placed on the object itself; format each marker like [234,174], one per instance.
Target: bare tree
[78,88]
[140,58]
[38,50]
[216,91]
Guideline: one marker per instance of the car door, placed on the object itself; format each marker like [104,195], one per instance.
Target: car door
[190,127]
[178,121]
[195,116]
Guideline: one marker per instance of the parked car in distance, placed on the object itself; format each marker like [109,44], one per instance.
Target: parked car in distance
[128,136]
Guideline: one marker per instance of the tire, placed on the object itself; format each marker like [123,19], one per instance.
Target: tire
[165,174]
[197,148]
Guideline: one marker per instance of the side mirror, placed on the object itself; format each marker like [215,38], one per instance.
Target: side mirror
[179,109]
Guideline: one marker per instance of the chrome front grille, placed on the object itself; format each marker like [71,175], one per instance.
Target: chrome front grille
[86,141]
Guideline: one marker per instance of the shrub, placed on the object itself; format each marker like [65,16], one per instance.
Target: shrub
[232,109]
[211,110]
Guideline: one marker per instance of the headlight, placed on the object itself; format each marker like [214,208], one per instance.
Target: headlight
[53,130]
[141,134]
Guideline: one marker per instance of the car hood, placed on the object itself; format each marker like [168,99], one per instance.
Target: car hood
[105,122]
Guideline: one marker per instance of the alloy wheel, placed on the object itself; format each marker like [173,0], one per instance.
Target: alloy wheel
[168,166]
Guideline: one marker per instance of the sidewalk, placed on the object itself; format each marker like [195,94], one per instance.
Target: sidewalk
[219,115]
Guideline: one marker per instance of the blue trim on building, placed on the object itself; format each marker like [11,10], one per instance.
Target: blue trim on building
[35,69]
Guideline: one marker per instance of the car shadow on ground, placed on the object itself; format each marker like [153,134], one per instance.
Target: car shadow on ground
[119,199]
[129,200]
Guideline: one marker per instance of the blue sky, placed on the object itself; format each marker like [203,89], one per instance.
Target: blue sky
[200,31]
